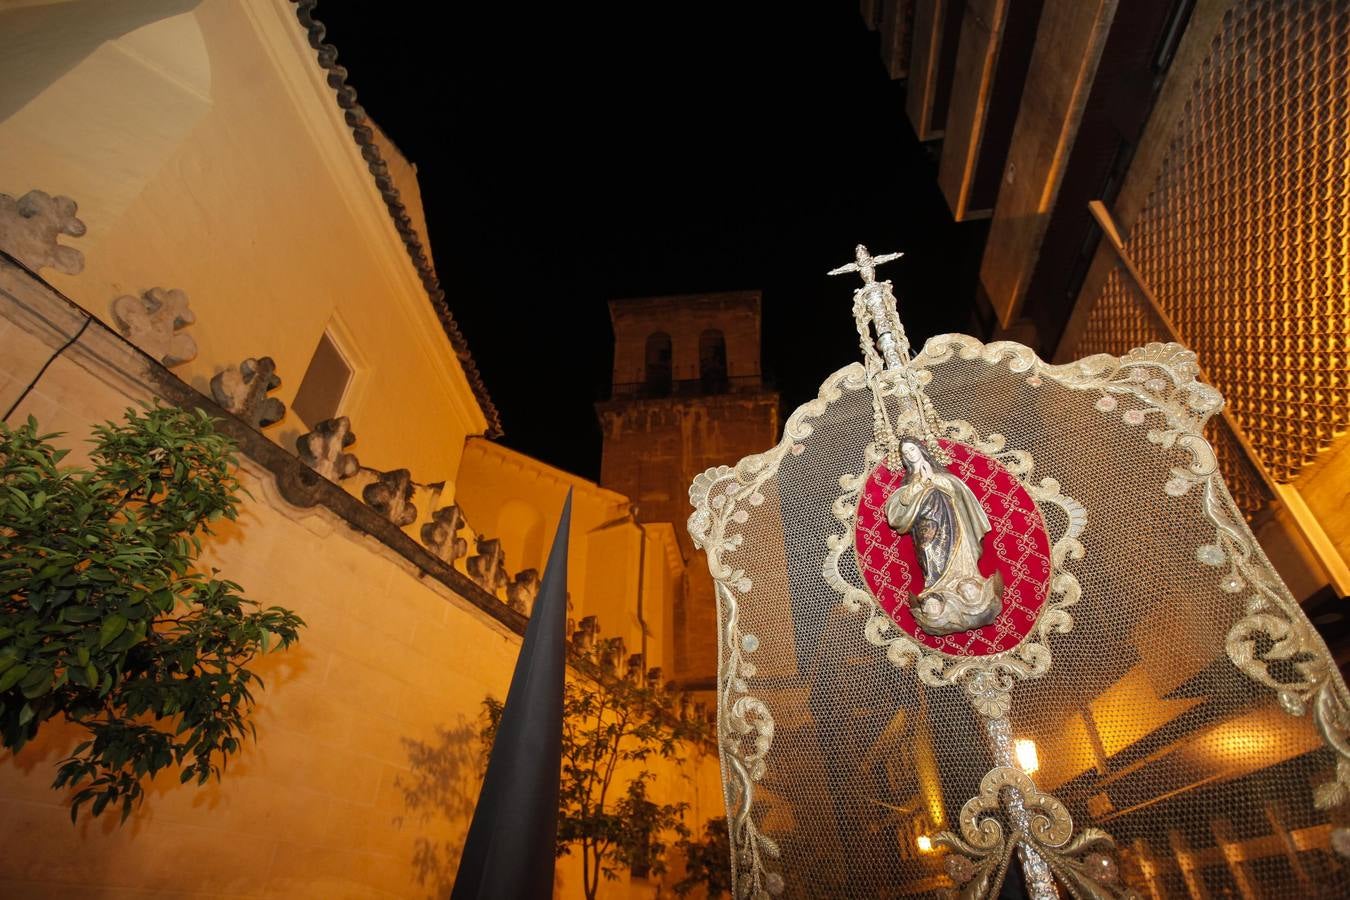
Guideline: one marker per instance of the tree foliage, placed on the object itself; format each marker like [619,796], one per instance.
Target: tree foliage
[612,727]
[708,861]
[103,619]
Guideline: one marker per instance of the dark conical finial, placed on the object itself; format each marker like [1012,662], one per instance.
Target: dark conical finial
[509,851]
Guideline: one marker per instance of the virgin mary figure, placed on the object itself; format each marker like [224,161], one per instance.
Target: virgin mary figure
[948,525]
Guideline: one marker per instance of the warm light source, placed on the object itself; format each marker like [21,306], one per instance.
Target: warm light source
[925,843]
[1025,751]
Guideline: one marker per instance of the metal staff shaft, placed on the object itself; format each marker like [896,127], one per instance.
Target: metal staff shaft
[1040,881]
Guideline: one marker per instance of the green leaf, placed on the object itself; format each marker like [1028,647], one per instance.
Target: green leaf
[125,641]
[37,682]
[91,561]
[112,627]
[11,676]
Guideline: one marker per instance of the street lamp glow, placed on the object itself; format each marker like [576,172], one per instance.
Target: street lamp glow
[925,843]
[1025,751]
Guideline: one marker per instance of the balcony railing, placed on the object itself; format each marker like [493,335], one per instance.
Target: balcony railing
[655,388]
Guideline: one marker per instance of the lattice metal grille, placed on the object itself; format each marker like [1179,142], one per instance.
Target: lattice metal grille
[1245,239]
[1244,481]
[1119,322]
[1122,319]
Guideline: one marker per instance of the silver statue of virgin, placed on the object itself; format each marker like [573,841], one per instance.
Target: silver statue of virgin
[948,525]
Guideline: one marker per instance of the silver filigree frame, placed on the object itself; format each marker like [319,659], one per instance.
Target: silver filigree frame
[1175,406]
[988,679]
[1040,822]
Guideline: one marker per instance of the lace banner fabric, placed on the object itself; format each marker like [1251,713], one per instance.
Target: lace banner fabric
[1150,713]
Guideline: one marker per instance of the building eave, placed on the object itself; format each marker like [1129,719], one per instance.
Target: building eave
[362,132]
[481,445]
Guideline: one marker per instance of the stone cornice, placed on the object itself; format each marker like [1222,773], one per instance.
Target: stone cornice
[484,447]
[34,305]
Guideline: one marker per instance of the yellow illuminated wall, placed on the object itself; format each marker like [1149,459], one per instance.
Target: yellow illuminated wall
[207,152]
[517,499]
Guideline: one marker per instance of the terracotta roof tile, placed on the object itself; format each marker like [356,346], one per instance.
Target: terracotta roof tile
[363,132]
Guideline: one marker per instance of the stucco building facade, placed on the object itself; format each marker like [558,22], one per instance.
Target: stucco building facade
[194,208]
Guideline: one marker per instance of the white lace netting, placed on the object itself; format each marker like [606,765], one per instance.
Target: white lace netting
[1189,710]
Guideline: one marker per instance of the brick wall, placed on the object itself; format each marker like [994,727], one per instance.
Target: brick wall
[652,451]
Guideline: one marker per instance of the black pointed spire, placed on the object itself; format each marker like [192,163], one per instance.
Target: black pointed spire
[510,848]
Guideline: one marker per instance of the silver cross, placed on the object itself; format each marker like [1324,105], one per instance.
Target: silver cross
[865,264]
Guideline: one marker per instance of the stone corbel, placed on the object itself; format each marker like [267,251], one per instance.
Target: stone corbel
[521,593]
[322,449]
[30,227]
[243,391]
[441,535]
[391,496]
[155,321]
[488,567]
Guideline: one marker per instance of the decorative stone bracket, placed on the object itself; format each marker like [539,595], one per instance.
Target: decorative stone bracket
[243,391]
[30,226]
[154,322]
[521,593]
[585,636]
[654,680]
[613,653]
[441,535]
[488,567]
[391,496]
[322,449]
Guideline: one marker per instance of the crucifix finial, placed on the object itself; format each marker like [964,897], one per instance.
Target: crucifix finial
[875,304]
[865,264]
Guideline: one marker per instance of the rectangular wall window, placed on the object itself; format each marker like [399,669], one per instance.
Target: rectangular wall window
[324,385]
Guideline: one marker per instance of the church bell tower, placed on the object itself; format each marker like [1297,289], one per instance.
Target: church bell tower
[687,393]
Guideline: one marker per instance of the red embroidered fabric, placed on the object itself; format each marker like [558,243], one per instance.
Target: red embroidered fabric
[1017,545]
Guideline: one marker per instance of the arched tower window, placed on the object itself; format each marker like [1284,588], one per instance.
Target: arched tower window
[658,381]
[712,361]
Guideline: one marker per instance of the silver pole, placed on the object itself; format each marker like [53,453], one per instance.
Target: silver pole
[1040,881]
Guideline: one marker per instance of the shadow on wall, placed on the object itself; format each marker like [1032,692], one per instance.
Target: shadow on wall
[439,793]
[47,40]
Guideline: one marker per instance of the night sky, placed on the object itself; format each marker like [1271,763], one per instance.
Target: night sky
[593,151]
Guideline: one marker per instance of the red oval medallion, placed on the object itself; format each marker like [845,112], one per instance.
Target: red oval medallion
[1017,545]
